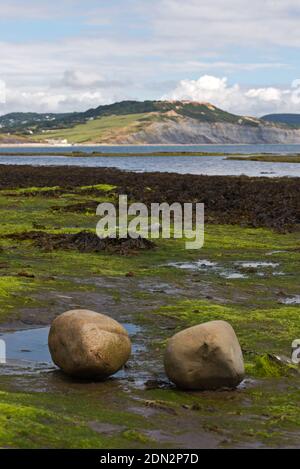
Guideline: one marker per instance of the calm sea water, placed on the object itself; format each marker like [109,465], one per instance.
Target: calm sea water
[211,165]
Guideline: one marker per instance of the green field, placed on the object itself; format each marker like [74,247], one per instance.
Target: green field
[98,130]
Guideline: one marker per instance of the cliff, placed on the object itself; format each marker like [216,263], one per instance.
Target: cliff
[147,122]
[189,131]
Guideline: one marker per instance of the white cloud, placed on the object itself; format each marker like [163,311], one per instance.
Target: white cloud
[75,78]
[268,95]
[115,50]
[231,66]
[28,10]
[52,101]
[234,98]
[78,92]
[59,91]
[217,23]
[2,91]
[35,9]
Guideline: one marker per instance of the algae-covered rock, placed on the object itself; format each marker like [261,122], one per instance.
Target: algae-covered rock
[206,356]
[272,366]
[87,344]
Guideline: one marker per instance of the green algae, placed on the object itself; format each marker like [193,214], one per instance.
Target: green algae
[11,289]
[265,412]
[99,187]
[255,415]
[268,366]
[223,244]
[56,421]
[260,330]
[267,158]
[136,436]
[9,286]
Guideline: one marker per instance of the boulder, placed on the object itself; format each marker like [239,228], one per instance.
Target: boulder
[87,344]
[207,356]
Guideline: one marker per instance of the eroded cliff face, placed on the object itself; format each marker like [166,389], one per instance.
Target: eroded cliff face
[145,122]
[191,131]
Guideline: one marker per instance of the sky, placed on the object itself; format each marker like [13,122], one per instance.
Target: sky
[70,55]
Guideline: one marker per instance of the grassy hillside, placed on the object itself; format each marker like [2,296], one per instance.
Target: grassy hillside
[34,122]
[98,130]
[114,123]
[175,122]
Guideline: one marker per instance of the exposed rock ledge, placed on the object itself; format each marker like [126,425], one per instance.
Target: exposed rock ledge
[190,131]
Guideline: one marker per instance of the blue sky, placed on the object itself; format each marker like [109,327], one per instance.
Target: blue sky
[71,55]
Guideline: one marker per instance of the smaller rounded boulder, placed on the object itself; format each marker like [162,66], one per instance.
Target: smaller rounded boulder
[205,357]
[87,344]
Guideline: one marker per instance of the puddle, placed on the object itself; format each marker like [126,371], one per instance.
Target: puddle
[293,300]
[259,268]
[29,345]
[271,253]
[257,265]
[237,270]
[196,265]
[204,265]
[27,350]
[232,275]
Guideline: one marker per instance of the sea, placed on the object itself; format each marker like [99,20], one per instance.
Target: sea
[144,160]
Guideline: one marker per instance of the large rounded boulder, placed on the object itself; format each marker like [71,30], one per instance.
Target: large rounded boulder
[205,357]
[87,344]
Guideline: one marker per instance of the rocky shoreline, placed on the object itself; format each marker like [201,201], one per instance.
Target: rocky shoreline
[248,277]
[256,202]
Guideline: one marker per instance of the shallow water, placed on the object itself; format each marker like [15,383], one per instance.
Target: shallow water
[206,165]
[293,300]
[232,271]
[257,264]
[207,266]
[143,149]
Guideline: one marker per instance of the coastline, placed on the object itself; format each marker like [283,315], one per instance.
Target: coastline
[282,157]
[72,145]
